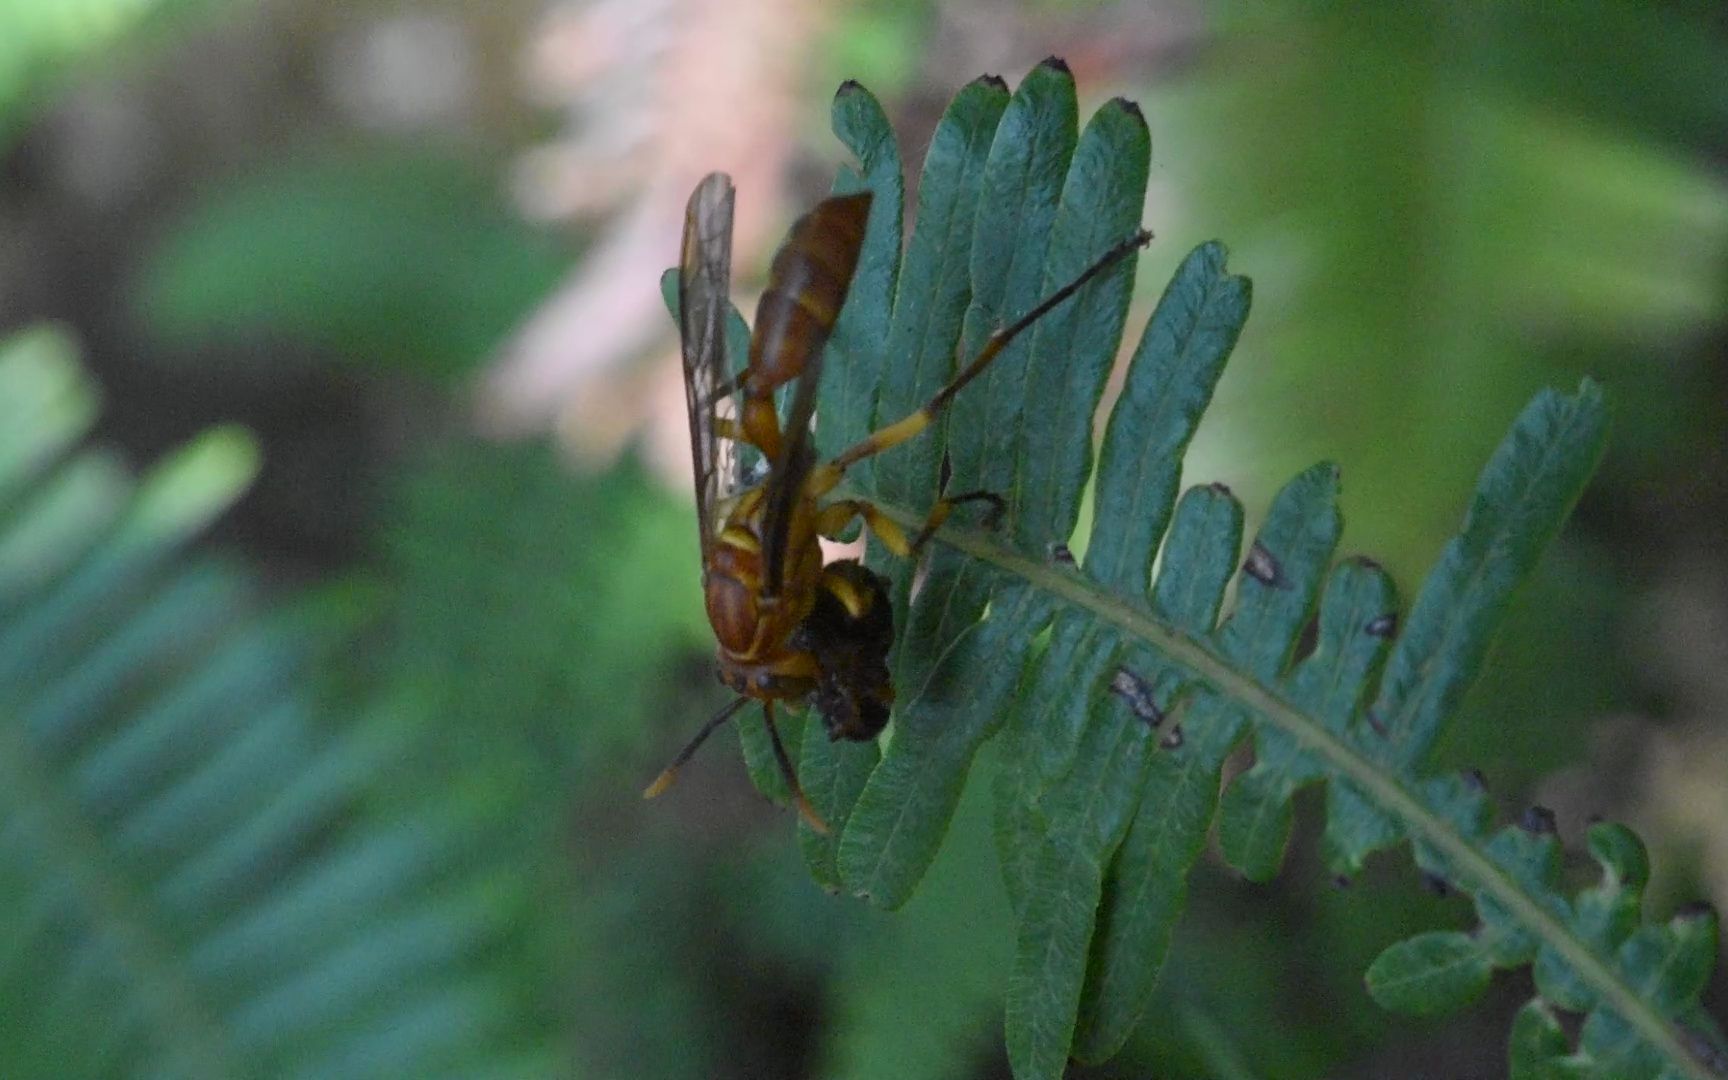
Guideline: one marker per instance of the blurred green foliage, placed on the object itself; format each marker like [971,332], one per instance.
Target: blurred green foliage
[42,44]
[876,41]
[1450,205]
[388,259]
[521,598]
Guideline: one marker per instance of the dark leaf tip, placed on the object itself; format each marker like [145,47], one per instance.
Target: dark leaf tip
[1538,821]
[1696,910]
[991,82]
[1056,63]
[1060,554]
[1700,1047]
[1436,884]
[850,86]
[1474,780]
[1131,108]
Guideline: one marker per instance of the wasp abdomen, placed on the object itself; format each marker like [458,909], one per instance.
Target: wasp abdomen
[806,288]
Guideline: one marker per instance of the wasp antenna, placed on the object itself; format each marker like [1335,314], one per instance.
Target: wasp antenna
[670,773]
[805,810]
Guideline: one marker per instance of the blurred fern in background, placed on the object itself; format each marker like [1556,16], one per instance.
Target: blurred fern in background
[203,877]
[1451,205]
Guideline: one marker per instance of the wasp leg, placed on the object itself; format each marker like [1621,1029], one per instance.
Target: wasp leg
[725,389]
[670,773]
[832,519]
[805,810]
[823,479]
[761,427]
[945,506]
[726,427]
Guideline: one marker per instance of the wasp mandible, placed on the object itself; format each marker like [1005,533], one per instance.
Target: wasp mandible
[789,627]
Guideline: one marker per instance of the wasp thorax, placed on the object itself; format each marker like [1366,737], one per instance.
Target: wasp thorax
[731,611]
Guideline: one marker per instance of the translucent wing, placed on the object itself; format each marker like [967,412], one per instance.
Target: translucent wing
[704,278]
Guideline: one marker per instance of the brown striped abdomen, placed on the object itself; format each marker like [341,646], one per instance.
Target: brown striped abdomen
[806,287]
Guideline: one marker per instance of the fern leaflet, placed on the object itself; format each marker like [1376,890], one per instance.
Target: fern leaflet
[1114,695]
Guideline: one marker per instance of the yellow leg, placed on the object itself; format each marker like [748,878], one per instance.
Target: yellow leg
[761,426]
[758,428]
[832,519]
[799,800]
[945,506]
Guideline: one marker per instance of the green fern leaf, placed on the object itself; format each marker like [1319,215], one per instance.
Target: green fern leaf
[1430,973]
[1116,695]
[196,879]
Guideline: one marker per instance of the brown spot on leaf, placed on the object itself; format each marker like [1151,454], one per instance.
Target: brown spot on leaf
[1263,566]
[1538,821]
[1137,692]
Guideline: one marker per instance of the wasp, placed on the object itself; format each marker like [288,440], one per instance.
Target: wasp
[791,628]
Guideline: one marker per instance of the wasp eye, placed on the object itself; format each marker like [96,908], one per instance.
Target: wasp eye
[764,681]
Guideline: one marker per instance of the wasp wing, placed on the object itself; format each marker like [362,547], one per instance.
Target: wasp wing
[704,279]
[806,288]
[786,475]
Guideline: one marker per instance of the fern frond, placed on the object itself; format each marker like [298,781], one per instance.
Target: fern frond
[1117,694]
[196,880]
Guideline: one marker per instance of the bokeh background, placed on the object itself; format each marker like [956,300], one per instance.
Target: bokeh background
[348,587]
